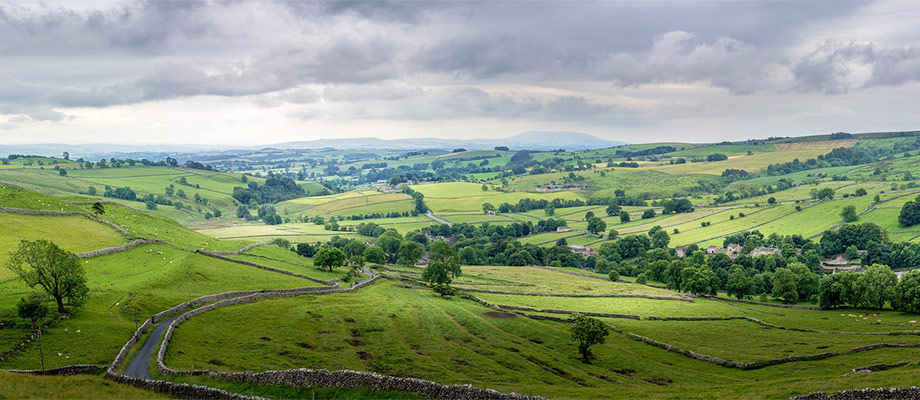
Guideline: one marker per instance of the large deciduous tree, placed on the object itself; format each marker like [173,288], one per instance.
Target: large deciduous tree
[329,257]
[58,272]
[587,332]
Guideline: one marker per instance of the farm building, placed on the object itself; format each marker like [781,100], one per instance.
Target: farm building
[765,250]
[681,251]
[582,250]
[563,229]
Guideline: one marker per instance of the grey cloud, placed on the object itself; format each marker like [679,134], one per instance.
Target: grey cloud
[838,67]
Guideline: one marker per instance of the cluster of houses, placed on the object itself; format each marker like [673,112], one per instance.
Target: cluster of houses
[556,188]
[583,251]
[733,250]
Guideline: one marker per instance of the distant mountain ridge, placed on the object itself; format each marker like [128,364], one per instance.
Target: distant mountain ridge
[532,140]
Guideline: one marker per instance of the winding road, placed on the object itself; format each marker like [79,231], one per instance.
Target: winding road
[139,366]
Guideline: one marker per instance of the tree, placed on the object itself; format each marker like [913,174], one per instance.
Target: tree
[550,209]
[596,225]
[650,213]
[98,209]
[242,211]
[390,245]
[409,253]
[443,265]
[589,215]
[356,262]
[613,209]
[739,285]
[614,275]
[486,207]
[861,192]
[354,247]
[34,309]
[587,332]
[306,249]
[660,239]
[825,193]
[771,200]
[374,254]
[849,214]
[910,214]
[624,216]
[907,296]
[699,281]
[485,188]
[329,257]
[838,290]
[876,286]
[58,272]
[784,286]
[62,172]
[66,155]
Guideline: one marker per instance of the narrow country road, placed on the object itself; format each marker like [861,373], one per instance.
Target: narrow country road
[140,364]
[438,219]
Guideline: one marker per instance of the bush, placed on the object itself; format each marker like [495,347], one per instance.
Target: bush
[614,275]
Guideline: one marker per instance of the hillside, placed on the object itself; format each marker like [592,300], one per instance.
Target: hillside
[648,275]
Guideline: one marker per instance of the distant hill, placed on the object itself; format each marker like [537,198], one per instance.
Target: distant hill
[533,140]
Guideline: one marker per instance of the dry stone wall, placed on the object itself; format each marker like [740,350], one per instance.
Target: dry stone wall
[350,379]
[912,392]
[252,264]
[25,211]
[110,250]
[68,370]
[641,296]
[241,251]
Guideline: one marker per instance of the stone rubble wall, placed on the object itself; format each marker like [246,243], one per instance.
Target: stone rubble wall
[553,311]
[110,250]
[252,264]
[893,393]
[243,250]
[66,370]
[641,296]
[179,390]
[377,382]
[25,211]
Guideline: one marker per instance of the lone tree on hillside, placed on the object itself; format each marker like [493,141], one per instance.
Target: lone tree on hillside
[329,257]
[587,332]
[443,267]
[596,225]
[849,214]
[58,272]
[98,209]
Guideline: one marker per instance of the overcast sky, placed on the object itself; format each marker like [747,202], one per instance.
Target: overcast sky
[261,72]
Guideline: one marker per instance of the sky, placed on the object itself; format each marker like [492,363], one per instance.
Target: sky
[261,72]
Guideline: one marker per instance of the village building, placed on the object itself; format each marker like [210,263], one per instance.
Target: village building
[765,250]
[681,251]
[582,250]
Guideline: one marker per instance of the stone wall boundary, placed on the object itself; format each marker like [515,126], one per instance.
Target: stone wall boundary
[567,312]
[905,393]
[110,250]
[763,304]
[242,250]
[280,271]
[65,370]
[26,211]
[640,296]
